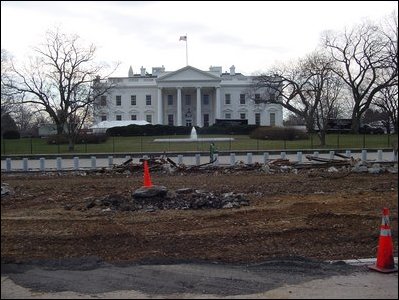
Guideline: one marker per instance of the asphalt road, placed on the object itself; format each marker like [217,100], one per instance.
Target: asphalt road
[280,278]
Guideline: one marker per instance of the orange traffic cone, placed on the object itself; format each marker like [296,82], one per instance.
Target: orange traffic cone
[147,178]
[385,262]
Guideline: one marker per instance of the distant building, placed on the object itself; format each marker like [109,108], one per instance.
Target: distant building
[185,97]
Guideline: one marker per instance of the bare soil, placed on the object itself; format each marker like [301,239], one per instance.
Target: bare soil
[313,214]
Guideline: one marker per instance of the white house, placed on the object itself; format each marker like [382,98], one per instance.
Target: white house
[185,97]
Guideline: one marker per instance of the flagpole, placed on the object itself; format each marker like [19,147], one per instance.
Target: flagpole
[186,52]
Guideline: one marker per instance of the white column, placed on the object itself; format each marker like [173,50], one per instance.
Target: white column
[160,109]
[179,108]
[217,103]
[199,111]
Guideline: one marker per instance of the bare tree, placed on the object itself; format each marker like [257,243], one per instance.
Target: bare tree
[63,80]
[309,89]
[387,101]
[368,58]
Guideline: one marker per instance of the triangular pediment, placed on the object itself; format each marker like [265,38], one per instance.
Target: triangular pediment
[188,73]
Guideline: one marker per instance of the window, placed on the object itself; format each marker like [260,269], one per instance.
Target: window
[170,120]
[133,100]
[272,97]
[103,118]
[148,100]
[133,117]
[206,120]
[206,99]
[257,119]
[118,117]
[118,100]
[242,98]
[257,98]
[170,99]
[272,119]
[148,118]
[103,101]
[227,116]
[243,116]
[227,99]
[188,99]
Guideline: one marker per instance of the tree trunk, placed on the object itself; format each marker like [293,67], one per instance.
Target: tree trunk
[322,137]
[71,144]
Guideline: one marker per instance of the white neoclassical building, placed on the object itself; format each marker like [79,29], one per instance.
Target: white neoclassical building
[185,97]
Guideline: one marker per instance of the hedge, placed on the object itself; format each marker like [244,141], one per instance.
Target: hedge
[278,133]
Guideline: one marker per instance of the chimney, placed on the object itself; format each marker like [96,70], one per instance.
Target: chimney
[232,70]
[130,72]
[142,69]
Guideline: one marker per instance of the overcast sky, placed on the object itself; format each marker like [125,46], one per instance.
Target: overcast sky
[253,36]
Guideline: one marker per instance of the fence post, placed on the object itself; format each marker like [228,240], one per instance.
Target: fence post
[93,162]
[76,163]
[25,164]
[59,163]
[110,161]
[180,159]
[232,159]
[316,154]
[197,159]
[283,155]
[364,155]
[8,164]
[348,153]
[379,152]
[265,157]
[42,164]
[299,156]
[249,158]
[332,153]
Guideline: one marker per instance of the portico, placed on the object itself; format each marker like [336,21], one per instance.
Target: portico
[176,94]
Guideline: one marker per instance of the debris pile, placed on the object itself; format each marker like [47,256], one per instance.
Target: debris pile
[159,198]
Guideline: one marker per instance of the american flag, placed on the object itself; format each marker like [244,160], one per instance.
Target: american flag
[183,38]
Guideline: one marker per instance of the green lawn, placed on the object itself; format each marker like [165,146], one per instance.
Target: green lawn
[241,142]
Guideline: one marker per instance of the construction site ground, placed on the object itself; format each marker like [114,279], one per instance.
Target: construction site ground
[314,214]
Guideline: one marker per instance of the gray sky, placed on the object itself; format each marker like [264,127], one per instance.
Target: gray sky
[253,36]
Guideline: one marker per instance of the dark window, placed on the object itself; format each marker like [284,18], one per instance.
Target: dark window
[103,118]
[242,98]
[227,99]
[118,100]
[148,118]
[133,117]
[119,117]
[257,98]
[170,120]
[243,116]
[103,101]
[272,119]
[206,120]
[188,99]
[133,100]
[227,116]
[170,99]
[257,119]
[206,99]
[148,100]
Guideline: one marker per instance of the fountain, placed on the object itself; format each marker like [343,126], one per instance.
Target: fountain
[194,138]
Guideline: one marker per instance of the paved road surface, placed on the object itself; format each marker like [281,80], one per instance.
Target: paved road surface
[284,278]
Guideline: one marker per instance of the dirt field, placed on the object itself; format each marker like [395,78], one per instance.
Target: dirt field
[312,214]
